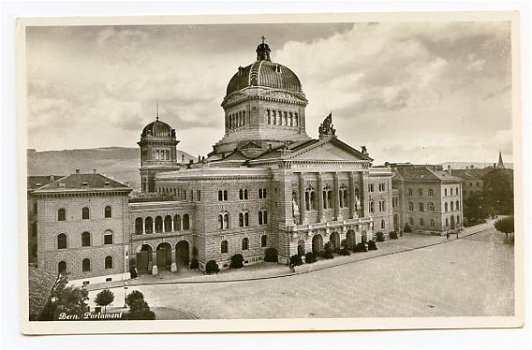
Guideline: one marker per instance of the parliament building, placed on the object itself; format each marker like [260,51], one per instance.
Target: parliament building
[265,184]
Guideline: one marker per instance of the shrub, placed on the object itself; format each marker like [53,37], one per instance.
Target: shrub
[393,235]
[296,260]
[133,296]
[194,264]
[211,267]
[327,253]
[344,251]
[380,236]
[372,245]
[271,255]
[310,258]
[407,228]
[361,248]
[139,310]
[237,261]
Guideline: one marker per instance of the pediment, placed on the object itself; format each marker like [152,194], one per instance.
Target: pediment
[329,151]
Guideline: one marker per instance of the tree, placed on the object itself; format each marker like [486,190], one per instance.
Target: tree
[499,191]
[477,206]
[505,225]
[104,298]
[69,300]
[138,307]
[134,295]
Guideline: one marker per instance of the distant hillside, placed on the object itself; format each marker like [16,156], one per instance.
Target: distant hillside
[119,163]
[476,165]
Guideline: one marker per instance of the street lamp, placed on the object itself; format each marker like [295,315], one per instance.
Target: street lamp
[125,293]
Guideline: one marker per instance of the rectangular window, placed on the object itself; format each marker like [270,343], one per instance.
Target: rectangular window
[108,239]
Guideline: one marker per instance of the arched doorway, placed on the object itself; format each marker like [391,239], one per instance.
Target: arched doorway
[396,222]
[301,248]
[453,225]
[182,257]
[144,256]
[317,244]
[164,256]
[350,239]
[335,241]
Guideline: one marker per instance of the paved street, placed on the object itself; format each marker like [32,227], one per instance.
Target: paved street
[472,276]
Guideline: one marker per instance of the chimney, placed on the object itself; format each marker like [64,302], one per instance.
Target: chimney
[449,169]
[94,171]
[77,171]
[52,178]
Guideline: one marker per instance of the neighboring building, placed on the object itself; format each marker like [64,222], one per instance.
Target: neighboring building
[430,199]
[34,182]
[82,227]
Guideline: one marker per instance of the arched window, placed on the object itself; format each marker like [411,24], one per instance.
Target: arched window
[224,247]
[177,222]
[85,239]
[61,241]
[383,224]
[411,206]
[186,222]
[451,191]
[220,195]
[158,224]
[223,221]
[167,223]
[138,226]
[85,213]
[108,262]
[371,206]
[263,217]
[61,267]
[445,192]
[148,225]
[243,219]
[225,195]
[342,196]
[260,217]
[431,206]
[86,265]
[457,205]
[245,243]
[431,192]
[263,241]
[452,206]
[421,222]
[431,222]
[446,207]
[310,198]
[326,197]
[108,211]
[108,237]
[446,221]
[421,207]
[61,215]
[241,194]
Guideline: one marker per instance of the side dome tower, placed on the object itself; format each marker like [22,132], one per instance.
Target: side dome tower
[157,152]
[264,107]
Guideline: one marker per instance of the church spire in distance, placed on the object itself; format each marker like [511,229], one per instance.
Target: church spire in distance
[500,164]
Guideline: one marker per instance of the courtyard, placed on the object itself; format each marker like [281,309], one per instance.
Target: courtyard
[470,276]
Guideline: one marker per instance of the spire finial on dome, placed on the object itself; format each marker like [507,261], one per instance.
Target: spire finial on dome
[263,50]
[157,109]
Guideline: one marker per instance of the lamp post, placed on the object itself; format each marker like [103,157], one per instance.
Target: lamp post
[125,294]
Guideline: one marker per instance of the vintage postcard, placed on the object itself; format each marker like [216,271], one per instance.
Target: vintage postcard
[270,173]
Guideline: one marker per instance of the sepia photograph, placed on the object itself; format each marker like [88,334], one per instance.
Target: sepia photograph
[270,172]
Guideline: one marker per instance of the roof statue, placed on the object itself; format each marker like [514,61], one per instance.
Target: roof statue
[327,128]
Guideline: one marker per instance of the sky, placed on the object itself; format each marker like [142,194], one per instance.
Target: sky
[421,92]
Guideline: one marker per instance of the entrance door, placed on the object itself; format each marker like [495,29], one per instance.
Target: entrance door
[142,261]
[182,254]
[317,244]
[164,256]
[453,225]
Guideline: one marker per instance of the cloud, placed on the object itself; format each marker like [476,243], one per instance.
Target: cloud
[401,88]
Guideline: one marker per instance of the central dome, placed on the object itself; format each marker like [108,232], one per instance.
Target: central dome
[264,73]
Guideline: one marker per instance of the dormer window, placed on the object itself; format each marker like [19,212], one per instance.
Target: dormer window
[61,184]
[106,184]
[84,184]
[278,68]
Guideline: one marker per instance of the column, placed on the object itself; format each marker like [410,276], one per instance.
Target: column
[336,197]
[302,204]
[172,228]
[352,199]
[319,192]
[153,225]
[143,226]
[173,268]
[364,193]
[154,269]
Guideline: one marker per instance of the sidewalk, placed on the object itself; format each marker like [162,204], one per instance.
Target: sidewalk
[408,242]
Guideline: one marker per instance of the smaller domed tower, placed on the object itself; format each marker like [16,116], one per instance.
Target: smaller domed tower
[158,152]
